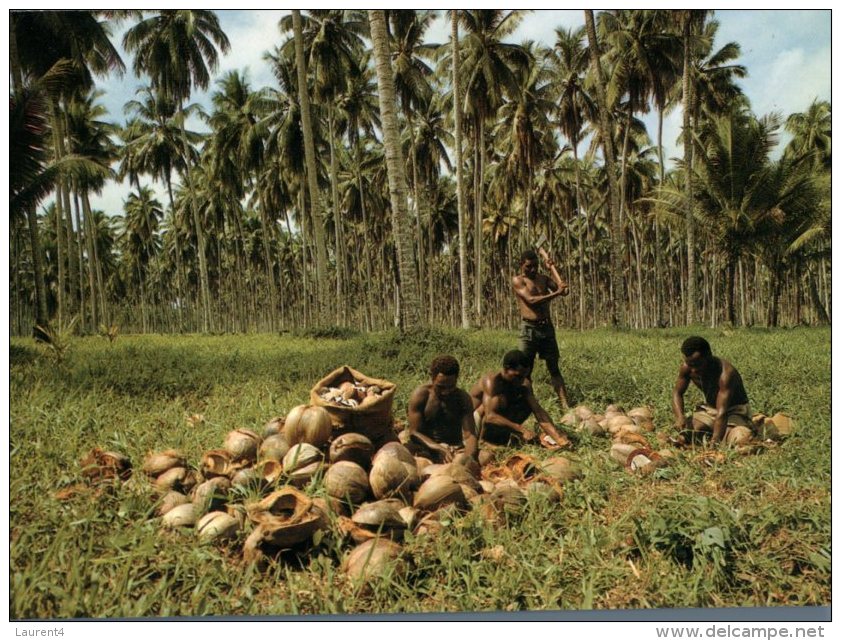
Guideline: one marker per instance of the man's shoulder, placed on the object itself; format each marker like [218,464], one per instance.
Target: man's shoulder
[421,392]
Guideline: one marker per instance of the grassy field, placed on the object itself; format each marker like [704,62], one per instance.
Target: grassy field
[749,531]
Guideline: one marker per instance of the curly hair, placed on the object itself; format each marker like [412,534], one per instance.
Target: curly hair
[696,344]
[529,254]
[443,364]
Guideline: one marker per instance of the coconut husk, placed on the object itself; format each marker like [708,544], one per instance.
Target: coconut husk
[286,517]
[99,466]
[156,463]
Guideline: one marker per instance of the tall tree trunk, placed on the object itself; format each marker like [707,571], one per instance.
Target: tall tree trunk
[477,221]
[658,259]
[689,301]
[581,227]
[201,250]
[338,231]
[312,176]
[267,257]
[462,232]
[617,302]
[100,287]
[396,170]
[81,262]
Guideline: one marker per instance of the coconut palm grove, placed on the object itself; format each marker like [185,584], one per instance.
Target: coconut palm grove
[220,379]
[356,192]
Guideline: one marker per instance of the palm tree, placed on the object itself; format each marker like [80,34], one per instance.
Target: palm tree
[90,137]
[77,44]
[618,298]
[812,133]
[152,144]
[409,317]
[237,152]
[488,69]
[312,175]
[177,50]
[138,239]
[574,108]
[462,242]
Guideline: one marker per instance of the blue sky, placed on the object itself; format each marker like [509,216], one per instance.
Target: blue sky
[787,54]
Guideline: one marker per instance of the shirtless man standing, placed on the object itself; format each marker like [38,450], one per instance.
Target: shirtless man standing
[725,412]
[504,400]
[534,292]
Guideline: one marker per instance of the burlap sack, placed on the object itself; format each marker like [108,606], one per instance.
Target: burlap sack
[375,420]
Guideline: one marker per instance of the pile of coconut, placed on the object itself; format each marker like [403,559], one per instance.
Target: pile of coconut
[251,489]
[351,394]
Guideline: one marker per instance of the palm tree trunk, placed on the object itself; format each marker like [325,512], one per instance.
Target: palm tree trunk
[97,264]
[462,240]
[366,245]
[341,309]
[81,261]
[395,165]
[617,312]
[416,206]
[267,257]
[687,159]
[312,176]
[658,260]
[477,229]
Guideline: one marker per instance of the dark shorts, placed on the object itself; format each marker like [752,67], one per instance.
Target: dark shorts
[539,340]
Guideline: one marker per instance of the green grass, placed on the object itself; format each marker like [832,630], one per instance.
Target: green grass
[752,531]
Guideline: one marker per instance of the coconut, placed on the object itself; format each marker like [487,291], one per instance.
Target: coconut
[98,466]
[784,425]
[347,481]
[184,515]
[273,447]
[421,462]
[301,455]
[615,409]
[212,494]
[307,424]
[561,468]
[409,515]
[570,419]
[175,478]
[372,560]
[352,447]
[619,452]
[286,517]
[380,516]
[434,469]
[487,486]
[583,412]
[274,426]
[486,456]
[438,491]
[643,413]
[242,444]
[591,426]
[300,476]
[271,470]
[156,463]
[470,464]
[217,526]
[216,463]
[247,477]
[170,500]
[393,472]
[616,422]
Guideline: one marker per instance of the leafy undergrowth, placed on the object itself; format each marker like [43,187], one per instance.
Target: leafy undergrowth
[746,531]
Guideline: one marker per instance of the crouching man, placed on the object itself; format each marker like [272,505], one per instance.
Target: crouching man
[504,400]
[725,414]
[440,414]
